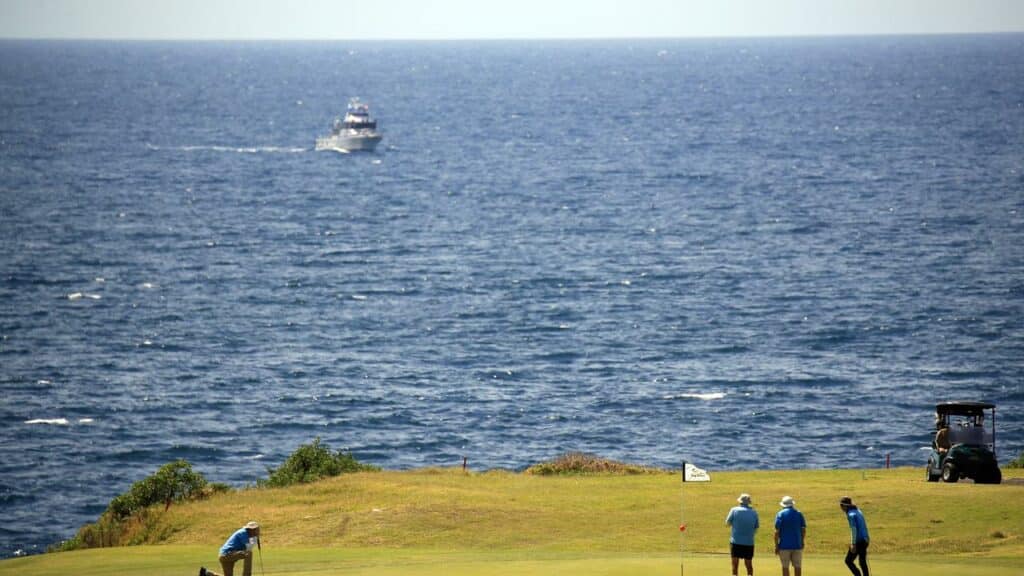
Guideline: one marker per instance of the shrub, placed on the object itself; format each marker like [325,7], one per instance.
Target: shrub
[582,463]
[172,482]
[311,462]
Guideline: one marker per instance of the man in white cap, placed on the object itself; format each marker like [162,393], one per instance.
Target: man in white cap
[743,522]
[238,547]
[790,531]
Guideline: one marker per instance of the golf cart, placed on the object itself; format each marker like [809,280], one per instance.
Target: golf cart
[962,447]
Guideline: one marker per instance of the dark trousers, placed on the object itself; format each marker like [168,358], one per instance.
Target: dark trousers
[862,553]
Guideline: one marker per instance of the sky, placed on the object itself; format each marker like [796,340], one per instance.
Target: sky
[498,19]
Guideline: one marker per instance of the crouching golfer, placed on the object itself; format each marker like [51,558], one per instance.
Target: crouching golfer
[238,547]
[858,537]
[743,521]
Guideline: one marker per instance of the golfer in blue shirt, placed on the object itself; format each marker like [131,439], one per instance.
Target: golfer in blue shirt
[238,547]
[858,537]
[744,523]
[790,531]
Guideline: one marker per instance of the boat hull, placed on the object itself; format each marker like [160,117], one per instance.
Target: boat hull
[349,143]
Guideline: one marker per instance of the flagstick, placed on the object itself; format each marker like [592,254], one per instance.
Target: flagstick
[682,519]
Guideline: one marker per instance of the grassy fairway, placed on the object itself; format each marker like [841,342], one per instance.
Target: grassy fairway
[449,522]
[184,560]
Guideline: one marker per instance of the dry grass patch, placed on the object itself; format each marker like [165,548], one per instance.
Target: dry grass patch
[583,463]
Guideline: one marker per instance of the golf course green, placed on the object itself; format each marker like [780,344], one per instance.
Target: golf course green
[447,521]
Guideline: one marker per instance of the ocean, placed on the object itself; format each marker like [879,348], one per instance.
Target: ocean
[742,253]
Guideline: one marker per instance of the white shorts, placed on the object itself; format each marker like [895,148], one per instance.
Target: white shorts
[794,556]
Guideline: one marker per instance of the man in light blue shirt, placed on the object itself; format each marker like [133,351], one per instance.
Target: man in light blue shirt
[744,523]
[238,547]
[790,531]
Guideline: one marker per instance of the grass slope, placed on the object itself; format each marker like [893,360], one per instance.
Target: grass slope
[450,522]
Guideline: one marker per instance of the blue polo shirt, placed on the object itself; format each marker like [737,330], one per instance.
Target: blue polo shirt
[744,522]
[790,524]
[858,526]
[238,542]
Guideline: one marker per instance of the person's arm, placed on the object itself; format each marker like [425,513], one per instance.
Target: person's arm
[777,535]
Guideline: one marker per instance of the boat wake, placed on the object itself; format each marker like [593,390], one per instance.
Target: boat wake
[58,421]
[696,396]
[234,149]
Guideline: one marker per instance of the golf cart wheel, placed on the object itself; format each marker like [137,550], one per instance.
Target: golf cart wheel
[994,476]
[932,477]
[950,473]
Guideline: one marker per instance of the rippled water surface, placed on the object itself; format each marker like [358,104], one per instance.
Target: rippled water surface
[744,253]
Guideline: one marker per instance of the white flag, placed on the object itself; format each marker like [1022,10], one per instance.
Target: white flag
[694,474]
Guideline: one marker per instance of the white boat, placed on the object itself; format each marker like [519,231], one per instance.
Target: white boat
[357,131]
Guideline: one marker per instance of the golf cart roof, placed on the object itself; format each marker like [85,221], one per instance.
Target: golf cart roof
[963,407]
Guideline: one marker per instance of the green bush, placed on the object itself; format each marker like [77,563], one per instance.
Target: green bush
[311,462]
[172,482]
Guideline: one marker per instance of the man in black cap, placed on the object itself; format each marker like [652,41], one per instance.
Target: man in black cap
[858,537]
